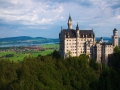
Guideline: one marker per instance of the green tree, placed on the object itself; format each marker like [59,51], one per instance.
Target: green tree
[116,49]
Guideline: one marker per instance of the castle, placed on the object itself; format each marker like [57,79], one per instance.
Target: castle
[75,42]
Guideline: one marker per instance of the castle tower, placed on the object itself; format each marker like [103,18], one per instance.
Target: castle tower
[77,40]
[77,27]
[115,37]
[69,22]
[101,40]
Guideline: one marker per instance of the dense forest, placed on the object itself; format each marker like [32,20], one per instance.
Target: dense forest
[51,72]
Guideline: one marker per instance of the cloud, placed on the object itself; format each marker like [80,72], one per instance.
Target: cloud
[97,24]
[118,16]
[49,15]
[29,11]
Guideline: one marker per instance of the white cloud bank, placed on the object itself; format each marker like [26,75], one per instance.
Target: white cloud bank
[49,14]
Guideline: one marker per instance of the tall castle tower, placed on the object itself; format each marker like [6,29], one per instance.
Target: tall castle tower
[69,22]
[77,39]
[115,37]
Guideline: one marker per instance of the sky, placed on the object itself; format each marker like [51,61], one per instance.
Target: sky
[44,18]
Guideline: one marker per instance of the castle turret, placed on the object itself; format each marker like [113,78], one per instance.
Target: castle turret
[69,22]
[77,30]
[101,40]
[77,27]
[61,28]
[115,37]
[77,39]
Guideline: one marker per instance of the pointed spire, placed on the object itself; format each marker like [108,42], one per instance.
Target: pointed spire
[70,19]
[69,22]
[101,39]
[61,27]
[115,29]
[77,27]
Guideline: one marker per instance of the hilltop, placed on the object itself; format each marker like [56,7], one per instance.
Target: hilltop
[27,40]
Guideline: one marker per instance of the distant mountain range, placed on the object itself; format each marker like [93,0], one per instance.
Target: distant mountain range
[36,40]
[27,40]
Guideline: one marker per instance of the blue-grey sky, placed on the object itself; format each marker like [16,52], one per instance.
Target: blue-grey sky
[44,18]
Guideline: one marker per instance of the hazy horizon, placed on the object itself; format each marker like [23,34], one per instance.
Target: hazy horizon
[44,18]
[52,37]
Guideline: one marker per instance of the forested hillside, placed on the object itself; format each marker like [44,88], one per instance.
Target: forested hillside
[27,40]
[52,72]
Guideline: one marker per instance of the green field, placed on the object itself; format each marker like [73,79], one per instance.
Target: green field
[50,46]
[20,56]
